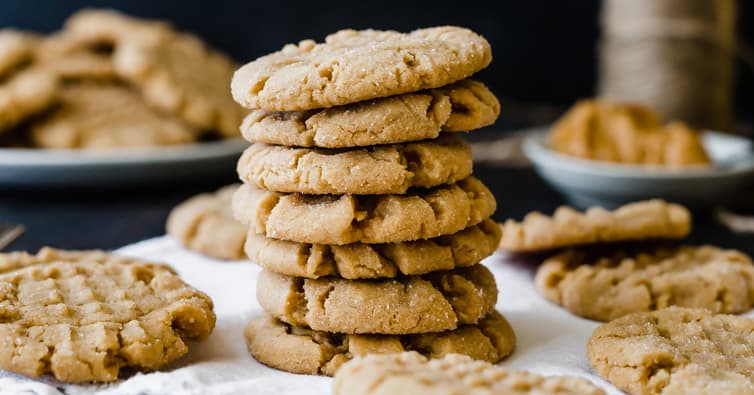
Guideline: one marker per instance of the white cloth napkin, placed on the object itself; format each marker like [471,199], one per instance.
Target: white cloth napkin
[551,341]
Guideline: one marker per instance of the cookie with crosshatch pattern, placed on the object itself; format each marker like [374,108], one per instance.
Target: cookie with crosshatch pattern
[605,286]
[411,373]
[84,315]
[567,227]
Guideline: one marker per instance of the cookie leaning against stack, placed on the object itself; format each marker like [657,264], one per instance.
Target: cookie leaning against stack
[204,223]
[360,202]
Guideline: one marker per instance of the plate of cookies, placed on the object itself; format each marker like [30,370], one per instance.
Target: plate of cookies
[113,99]
[608,154]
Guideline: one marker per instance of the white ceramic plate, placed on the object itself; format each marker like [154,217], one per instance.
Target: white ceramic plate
[21,168]
[587,182]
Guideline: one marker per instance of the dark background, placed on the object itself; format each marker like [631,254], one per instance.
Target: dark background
[544,59]
[544,50]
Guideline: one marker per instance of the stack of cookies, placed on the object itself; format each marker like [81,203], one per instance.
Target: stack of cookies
[360,202]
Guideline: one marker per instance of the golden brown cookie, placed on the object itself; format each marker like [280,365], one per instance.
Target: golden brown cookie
[26,93]
[605,287]
[346,219]
[205,224]
[460,107]
[105,115]
[363,261]
[16,49]
[25,89]
[411,373]
[107,25]
[84,315]
[352,66]
[650,219]
[15,260]
[386,169]
[434,302]
[625,133]
[175,71]
[676,351]
[73,57]
[182,76]
[305,351]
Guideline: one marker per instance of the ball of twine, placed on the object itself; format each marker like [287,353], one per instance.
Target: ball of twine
[676,56]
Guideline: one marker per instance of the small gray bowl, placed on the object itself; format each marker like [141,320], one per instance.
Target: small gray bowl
[587,183]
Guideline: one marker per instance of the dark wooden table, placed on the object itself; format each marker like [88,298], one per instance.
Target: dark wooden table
[112,218]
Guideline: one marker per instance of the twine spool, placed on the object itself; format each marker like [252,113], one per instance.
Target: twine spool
[676,56]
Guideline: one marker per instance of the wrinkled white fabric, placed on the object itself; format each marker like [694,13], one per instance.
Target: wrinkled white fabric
[551,341]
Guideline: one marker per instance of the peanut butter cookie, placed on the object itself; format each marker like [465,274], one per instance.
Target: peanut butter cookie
[650,219]
[363,261]
[99,115]
[411,373]
[302,350]
[346,219]
[434,302]
[16,49]
[352,66]
[26,93]
[176,72]
[84,315]
[182,76]
[460,107]
[107,25]
[25,90]
[386,169]
[205,224]
[607,287]
[72,57]
[676,351]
